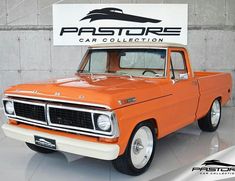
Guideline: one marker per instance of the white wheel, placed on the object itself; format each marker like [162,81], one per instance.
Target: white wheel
[139,151]
[141,147]
[215,113]
[211,120]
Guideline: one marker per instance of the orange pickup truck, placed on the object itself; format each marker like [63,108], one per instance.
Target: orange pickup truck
[123,98]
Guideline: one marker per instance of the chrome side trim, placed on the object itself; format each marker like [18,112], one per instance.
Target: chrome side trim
[93,122]
[61,129]
[166,63]
[116,131]
[75,127]
[25,102]
[60,100]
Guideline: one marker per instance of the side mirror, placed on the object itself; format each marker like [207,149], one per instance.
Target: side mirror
[183,76]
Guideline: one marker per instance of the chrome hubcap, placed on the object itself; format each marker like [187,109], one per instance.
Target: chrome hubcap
[215,113]
[141,147]
[137,147]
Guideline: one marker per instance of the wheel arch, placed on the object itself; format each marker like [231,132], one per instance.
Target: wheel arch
[216,98]
[208,107]
[219,98]
[206,123]
[153,121]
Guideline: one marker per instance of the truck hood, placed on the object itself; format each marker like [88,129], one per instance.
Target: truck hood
[110,91]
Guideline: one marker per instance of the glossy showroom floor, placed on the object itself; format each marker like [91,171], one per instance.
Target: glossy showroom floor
[19,163]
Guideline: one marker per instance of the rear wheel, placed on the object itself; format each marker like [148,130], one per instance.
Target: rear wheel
[211,121]
[139,152]
[39,149]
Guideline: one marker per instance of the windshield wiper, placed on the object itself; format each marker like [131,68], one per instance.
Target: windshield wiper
[79,71]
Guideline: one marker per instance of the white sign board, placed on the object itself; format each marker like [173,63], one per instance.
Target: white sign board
[86,24]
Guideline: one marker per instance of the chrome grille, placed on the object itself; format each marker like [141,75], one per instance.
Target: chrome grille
[64,117]
[67,117]
[34,112]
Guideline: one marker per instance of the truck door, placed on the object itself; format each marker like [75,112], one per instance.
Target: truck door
[184,88]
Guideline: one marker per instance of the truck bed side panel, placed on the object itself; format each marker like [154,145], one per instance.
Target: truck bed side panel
[211,86]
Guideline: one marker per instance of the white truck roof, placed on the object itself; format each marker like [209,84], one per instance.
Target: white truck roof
[136,44]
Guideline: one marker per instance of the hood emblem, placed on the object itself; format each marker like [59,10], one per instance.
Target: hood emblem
[127,101]
[57,93]
[35,91]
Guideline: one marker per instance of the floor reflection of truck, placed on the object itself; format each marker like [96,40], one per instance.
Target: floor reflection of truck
[124,98]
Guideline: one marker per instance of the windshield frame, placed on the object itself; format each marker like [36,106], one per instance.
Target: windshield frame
[85,59]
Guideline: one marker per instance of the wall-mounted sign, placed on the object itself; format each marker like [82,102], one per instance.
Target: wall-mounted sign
[85,24]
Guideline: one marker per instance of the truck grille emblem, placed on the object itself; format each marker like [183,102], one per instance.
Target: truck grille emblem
[57,94]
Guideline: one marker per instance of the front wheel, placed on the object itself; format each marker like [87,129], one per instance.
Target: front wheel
[211,121]
[139,152]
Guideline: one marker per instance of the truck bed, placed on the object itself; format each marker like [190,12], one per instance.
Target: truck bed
[206,74]
[211,85]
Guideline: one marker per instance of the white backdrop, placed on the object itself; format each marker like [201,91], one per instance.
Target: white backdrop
[172,27]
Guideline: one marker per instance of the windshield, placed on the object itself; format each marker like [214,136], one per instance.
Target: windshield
[132,62]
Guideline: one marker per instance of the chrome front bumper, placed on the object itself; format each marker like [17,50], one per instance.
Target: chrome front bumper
[85,148]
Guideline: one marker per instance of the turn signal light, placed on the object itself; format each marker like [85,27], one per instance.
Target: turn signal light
[13,122]
[108,140]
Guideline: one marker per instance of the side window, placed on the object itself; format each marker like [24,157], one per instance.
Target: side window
[178,65]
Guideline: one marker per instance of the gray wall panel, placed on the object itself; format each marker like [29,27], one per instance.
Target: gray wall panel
[27,53]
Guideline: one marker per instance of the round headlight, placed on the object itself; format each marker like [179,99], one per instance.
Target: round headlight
[9,107]
[103,122]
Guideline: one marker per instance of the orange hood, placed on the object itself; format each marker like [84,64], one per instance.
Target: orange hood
[96,89]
